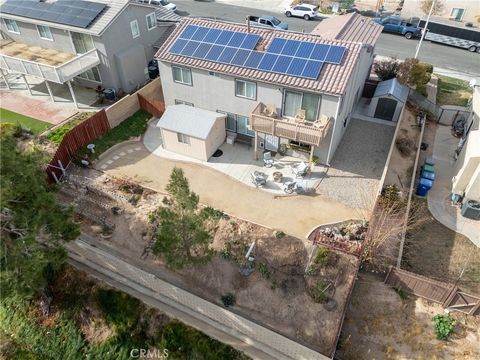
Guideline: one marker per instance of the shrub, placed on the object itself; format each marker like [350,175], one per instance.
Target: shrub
[444,325]
[324,257]
[228,299]
[264,271]
[386,69]
[390,196]
[279,234]
[119,309]
[211,213]
[405,145]
[318,291]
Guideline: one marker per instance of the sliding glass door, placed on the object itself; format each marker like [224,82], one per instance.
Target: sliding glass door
[294,101]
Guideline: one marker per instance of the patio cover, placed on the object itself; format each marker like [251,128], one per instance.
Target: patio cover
[189,120]
[392,87]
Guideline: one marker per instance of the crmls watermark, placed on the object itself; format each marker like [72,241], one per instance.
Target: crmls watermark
[149,354]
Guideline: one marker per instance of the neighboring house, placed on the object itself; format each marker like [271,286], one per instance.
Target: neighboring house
[457,10]
[466,182]
[271,99]
[106,42]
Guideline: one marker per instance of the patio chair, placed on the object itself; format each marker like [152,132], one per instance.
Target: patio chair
[270,111]
[258,179]
[300,116]
[268,159]
[300,170]
[322,122]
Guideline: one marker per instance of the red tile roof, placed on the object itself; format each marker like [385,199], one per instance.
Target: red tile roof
[332,80]
[351,27]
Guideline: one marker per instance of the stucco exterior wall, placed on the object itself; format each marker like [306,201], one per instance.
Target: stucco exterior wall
[467,168]
[411,8]
[216,137]
[472,191]
[196,149]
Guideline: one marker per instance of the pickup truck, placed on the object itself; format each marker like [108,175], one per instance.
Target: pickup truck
[397,25]
[268,21]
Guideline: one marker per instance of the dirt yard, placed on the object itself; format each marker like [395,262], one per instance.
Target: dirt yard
[381,325]
[275,295]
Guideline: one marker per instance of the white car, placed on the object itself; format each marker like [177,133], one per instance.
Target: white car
[305,11]
[163,3]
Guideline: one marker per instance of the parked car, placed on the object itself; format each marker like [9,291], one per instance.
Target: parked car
[397,25]
[164,3]
[268,21]
[305,11]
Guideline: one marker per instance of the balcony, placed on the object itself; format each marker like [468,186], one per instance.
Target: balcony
[306,132]
[48,64]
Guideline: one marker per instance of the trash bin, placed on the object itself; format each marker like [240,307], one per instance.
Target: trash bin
[153,72]
[429,168]
[421,190]
[428,175]
[109,94]
[430,161]
[425,182]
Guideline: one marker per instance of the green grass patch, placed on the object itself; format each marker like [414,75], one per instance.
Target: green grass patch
[452,91]
[56,135]
[135,125]
[35,126]
[119,309]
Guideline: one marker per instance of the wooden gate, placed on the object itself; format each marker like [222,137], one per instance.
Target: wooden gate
[466,303]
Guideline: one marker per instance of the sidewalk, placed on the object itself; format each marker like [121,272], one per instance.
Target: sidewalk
[439,196]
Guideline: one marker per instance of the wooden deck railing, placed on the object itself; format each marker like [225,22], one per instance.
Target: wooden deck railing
[285,128]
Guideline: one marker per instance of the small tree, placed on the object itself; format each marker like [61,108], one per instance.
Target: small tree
[444,326]
[413,73]
[386,69]
[182,235]
[426,5]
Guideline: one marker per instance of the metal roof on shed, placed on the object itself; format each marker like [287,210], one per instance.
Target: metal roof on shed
[392,87]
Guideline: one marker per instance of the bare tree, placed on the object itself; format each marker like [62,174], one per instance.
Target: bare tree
[438,8]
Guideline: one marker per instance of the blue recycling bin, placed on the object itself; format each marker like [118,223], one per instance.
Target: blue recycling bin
[430,161]
[421,190]
[425,182]
[428,175]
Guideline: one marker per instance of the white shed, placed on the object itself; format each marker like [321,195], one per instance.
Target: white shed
[387,102]
[192,131]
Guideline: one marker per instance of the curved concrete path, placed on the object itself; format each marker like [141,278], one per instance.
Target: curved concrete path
[295,215]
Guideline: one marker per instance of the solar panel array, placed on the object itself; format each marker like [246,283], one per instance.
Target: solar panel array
[76,13]
[291,57]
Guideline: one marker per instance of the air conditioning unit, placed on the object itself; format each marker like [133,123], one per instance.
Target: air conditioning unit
[471,209]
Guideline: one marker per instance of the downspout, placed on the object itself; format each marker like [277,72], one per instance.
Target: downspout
[333,130]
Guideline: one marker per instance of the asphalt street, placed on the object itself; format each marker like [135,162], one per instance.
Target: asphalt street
[457,61]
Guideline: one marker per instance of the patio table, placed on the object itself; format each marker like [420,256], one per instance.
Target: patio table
[277,176]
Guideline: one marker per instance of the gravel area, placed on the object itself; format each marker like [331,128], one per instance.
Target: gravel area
[354,175]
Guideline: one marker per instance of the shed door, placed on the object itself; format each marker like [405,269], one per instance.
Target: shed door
[385,109]
[271,142]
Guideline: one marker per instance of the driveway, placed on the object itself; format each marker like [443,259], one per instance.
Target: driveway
[295,215]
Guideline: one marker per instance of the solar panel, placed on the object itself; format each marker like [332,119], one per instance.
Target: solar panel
[227,55]
[320,52]
[190,48]
[305,49]
[250,41]
[267,62]
[240,57]
[335,54]
[199,34]
[276,45]
[282,64]
[202,50]
[296,67]
[290,47]
[237,39]
[212,35]
[77,13]
[178,46]
[188,32]
[254,59]
[214,52]
[224,37]
[312,69]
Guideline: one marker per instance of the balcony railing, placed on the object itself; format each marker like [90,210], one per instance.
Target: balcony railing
[59,74]
[305,132]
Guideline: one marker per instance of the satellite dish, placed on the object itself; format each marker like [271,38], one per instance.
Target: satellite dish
[472,83]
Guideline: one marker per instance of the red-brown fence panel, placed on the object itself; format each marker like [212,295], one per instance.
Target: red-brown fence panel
[79,136]
[154,107]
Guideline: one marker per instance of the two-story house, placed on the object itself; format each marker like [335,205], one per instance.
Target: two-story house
[101,42]
[274,87]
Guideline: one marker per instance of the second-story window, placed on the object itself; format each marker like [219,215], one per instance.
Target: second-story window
[246,89]
[82,42]
[12,26]
[151,21]
[182,75]
[135,29]
[44,32]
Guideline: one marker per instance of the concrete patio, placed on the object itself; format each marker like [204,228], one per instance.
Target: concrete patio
[439,202]
[238,161]
[39,105]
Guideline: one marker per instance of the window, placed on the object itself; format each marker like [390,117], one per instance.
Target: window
[246,89]
[179,102]
[237,123]
[457,13]
[134,28]
[91,74]
[182,75]
[12,26]
[151,21]
[44,32]
[294,101]
[213,73]
[184,139]
[82,42]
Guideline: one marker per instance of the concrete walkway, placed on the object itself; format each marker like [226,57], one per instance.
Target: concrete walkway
[439,202]
[295,215]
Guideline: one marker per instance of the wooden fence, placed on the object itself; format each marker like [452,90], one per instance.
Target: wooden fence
[154,107]
[81,135]
[448,295]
